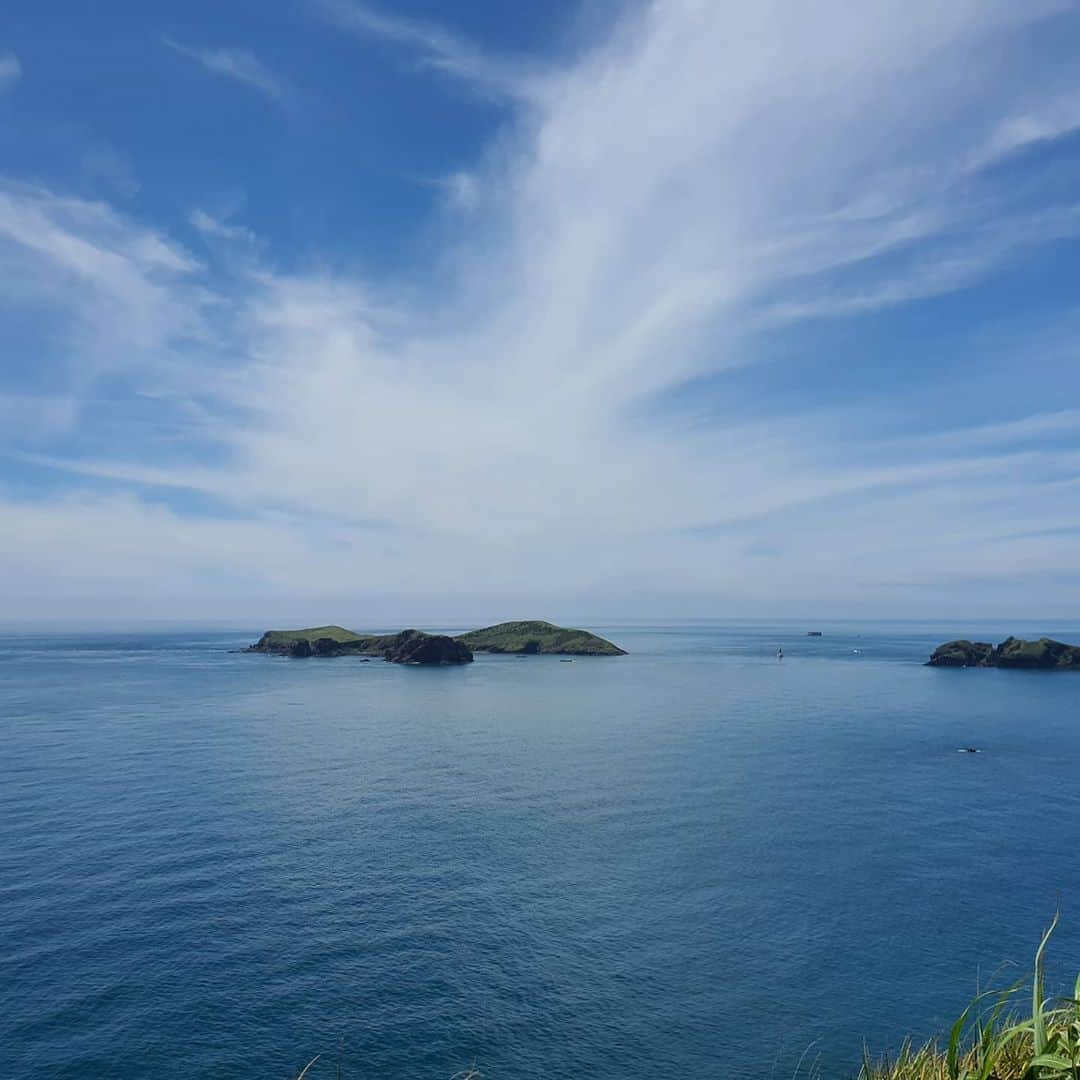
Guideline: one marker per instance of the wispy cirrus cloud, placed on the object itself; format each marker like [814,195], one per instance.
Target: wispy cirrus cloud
[240,65]
[439,49]
[218,228]
[710,179]
[1046,122]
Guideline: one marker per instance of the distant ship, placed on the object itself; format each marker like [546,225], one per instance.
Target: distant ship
[780,654]
[813,633]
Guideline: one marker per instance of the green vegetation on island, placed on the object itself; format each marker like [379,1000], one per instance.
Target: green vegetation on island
[273,639]
[538,637]
[1042,655]
[418,647]
[406,647]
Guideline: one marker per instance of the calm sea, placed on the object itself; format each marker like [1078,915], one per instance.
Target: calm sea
[692,861]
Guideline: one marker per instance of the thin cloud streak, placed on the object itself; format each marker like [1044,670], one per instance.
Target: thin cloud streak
[438,49]
[240,65]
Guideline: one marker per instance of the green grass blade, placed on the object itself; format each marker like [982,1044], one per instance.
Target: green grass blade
[952,1055]
[1038,1014]
[305,1069]
[1051,1061]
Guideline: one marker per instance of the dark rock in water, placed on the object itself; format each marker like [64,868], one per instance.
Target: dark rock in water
[1042,655]
[961,654]
[415,647]
[813,633]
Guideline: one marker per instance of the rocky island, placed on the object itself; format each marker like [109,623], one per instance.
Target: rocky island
[538,637]
[418,647]
[1042,655]
[406,647]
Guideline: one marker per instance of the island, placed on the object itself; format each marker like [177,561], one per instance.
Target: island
[418,647]
[406,647]
[526,638]
[1042,655]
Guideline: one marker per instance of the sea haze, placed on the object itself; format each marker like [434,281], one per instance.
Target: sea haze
[694,860]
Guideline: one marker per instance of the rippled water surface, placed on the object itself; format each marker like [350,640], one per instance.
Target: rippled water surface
[691,861]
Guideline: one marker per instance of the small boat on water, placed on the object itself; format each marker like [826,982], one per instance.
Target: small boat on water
[780,653]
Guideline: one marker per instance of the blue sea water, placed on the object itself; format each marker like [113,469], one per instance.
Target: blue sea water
[691,861]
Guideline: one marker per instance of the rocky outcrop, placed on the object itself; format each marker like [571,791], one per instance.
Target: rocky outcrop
[1042,655]
[406,647]
[961,653]
[416,647]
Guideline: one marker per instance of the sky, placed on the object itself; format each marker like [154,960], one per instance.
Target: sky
[337,311]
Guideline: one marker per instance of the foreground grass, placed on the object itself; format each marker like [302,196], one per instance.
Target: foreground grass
[991,1041]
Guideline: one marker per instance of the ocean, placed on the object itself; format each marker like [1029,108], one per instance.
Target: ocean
[693,861]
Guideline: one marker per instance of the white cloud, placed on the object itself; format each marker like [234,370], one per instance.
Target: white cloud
[1048,122]
[240,65]
[710,168]
[438,49]
[10,70]
[218,229]
[461,190]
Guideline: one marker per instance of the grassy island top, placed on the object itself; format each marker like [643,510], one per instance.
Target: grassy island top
[310,634]
[1044,654]
[509,637]
[538,637]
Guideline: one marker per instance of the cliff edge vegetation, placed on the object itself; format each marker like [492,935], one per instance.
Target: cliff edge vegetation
[989,1041]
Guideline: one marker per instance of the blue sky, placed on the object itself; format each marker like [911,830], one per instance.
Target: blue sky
[373,313]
